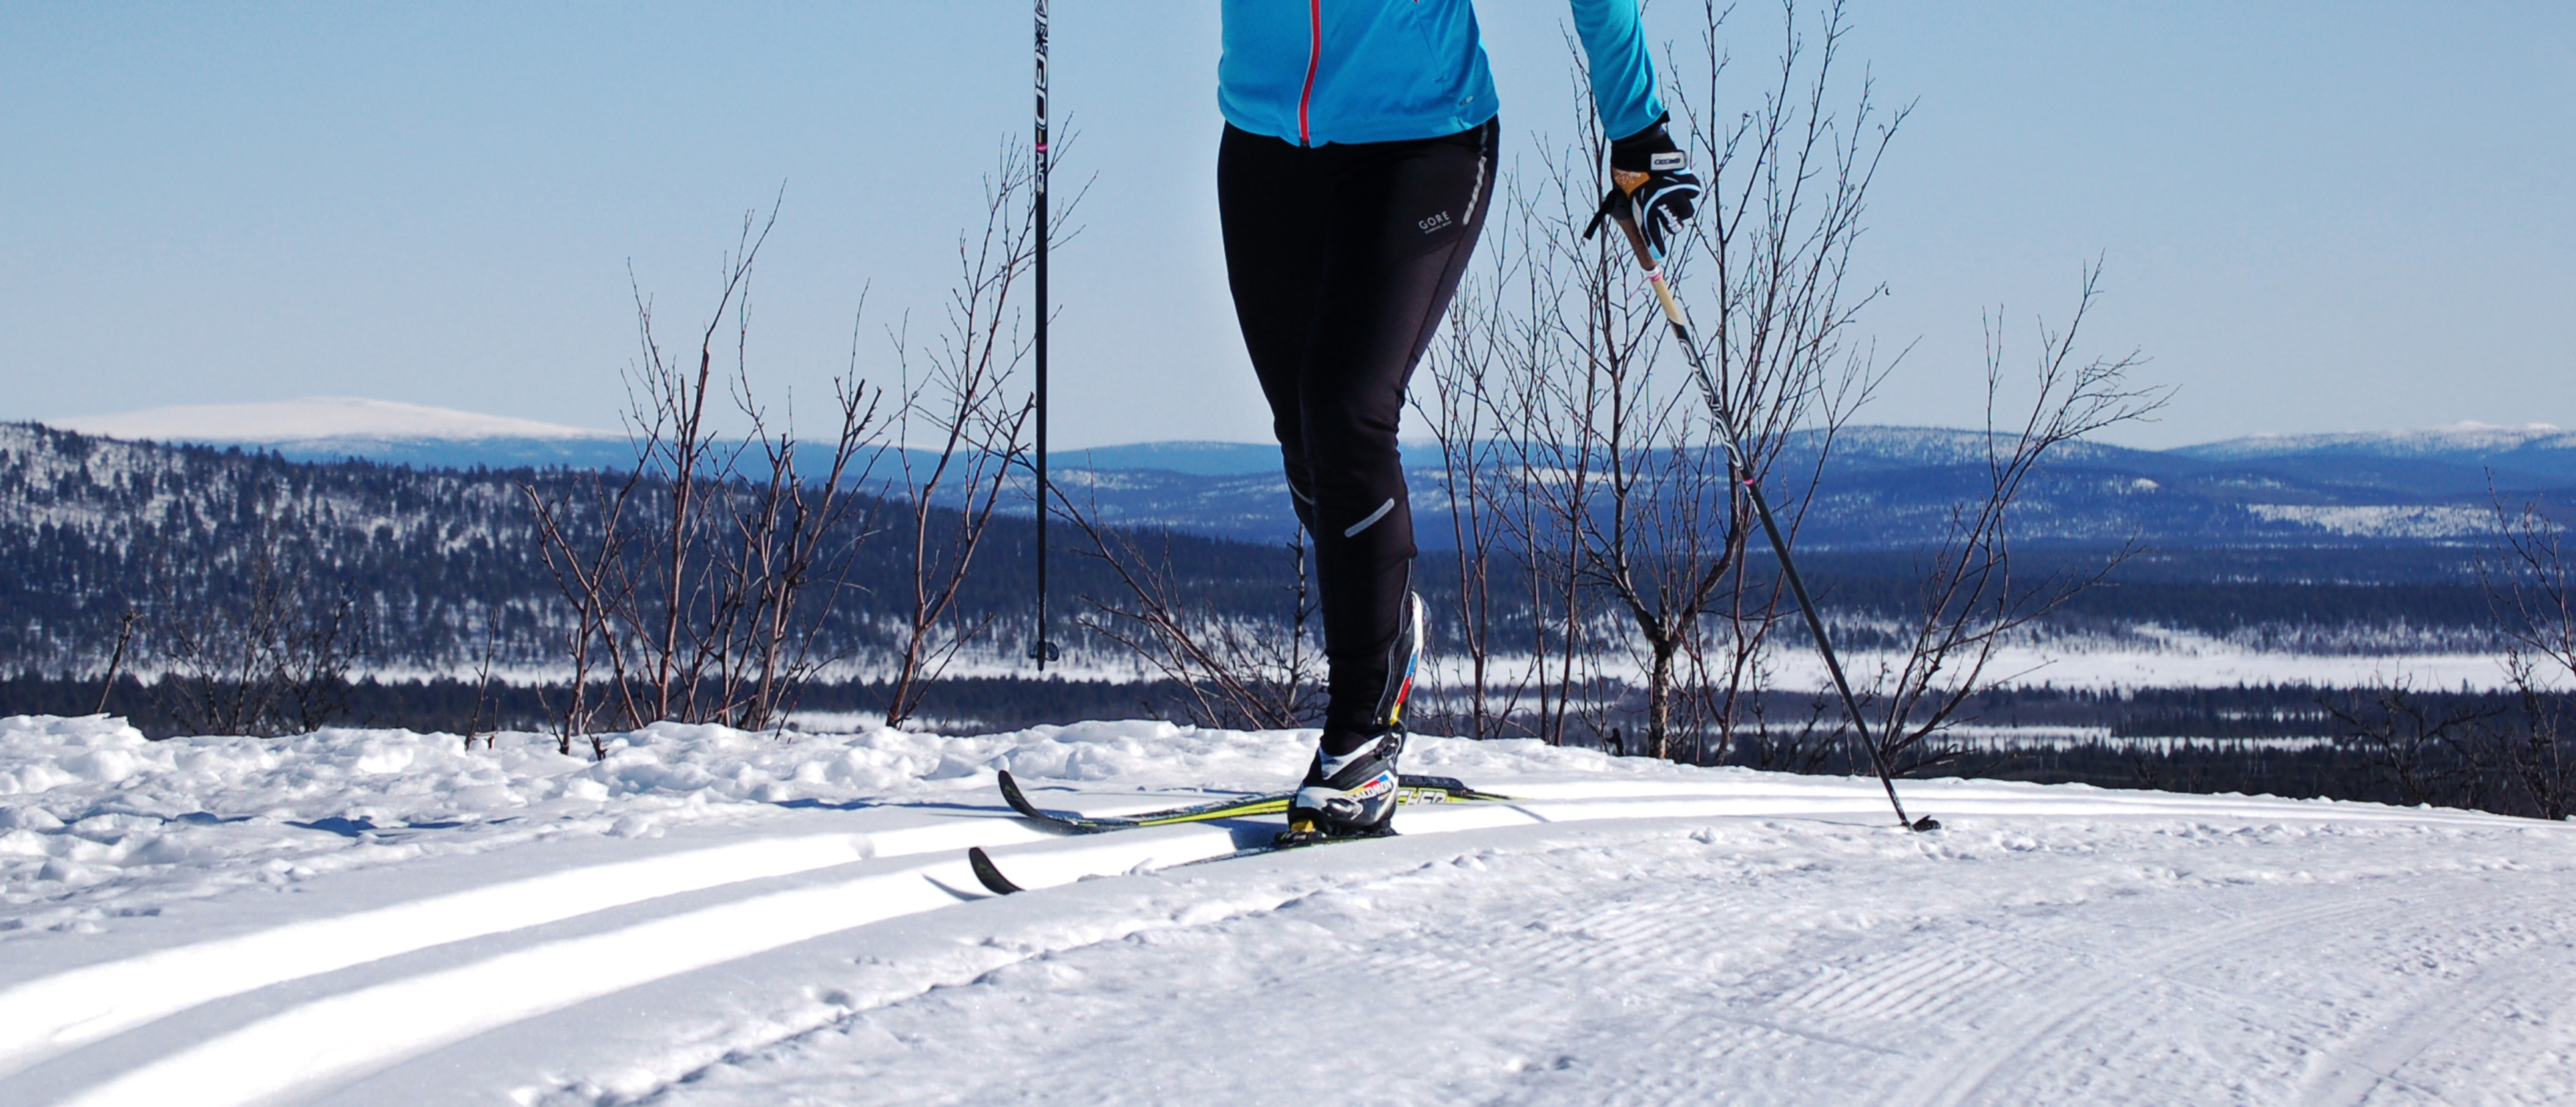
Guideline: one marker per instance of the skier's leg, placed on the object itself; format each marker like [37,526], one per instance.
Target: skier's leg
[1405,217]
[1342,261]
[1270,202]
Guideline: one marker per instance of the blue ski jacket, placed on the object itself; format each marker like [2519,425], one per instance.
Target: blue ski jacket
[1318,71]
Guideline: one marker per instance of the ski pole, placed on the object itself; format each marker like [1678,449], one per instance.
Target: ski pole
[1740,470]
[1041,650]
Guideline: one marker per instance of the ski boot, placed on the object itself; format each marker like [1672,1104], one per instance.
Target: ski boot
[1354,795]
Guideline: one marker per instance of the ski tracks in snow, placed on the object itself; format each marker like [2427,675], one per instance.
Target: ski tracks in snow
[1743,940]
[402,989]
[2013,961]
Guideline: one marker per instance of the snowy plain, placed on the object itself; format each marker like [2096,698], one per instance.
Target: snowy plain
[713,917]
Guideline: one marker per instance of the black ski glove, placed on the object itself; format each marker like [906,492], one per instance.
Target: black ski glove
[1651,183]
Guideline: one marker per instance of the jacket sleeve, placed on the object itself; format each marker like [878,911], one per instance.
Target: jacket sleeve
[1623,72]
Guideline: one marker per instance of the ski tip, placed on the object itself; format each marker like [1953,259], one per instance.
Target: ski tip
[1018,800]
[988,874]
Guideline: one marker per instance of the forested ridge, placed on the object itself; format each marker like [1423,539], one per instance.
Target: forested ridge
[444,564]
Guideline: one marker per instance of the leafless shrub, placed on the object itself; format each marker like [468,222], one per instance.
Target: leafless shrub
[2425,751]
[1804,745]
[965,425]
[1788,182]
[1236,672]
[1545,480]
[1970,600]
[258,646]
[2527,584]
[797,536]
[1612,483]
[1612,479]
[700,579]
[483,678]
[585,536]
[2538,756]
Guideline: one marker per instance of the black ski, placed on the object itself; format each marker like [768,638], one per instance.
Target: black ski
[1085,824]
[1411,789]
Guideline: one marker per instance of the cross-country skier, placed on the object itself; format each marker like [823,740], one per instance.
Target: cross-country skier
[1356,168]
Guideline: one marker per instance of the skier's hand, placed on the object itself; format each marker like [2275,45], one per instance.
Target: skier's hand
[1652,185]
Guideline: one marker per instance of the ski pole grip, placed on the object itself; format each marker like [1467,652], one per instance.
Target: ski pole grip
[1636,241]
[1627,182]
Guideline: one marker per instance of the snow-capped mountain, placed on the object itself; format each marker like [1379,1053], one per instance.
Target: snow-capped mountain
[315,417]
[333,428]
[2465,438]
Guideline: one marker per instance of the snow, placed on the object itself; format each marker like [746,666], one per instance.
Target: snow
[2384,520]
[315,417]
[2024,666]
[2151,657]
[2464,436]
[714,917]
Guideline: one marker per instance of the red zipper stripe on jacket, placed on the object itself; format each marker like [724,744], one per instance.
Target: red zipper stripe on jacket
[1314,57]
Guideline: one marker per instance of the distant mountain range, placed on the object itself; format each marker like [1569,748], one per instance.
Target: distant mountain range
[1886,487]
[445,565]
[341,428]
[1894,487]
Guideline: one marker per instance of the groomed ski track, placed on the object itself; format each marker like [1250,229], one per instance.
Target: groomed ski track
[1663,937]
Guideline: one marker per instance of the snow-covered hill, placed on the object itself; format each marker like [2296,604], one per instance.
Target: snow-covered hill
[710,917]
[311,418]
[325,428]
[2477,454]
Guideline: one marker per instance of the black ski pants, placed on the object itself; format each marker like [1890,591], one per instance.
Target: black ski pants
[1342,260]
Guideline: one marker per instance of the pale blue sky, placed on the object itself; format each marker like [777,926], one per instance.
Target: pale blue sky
[2318,216]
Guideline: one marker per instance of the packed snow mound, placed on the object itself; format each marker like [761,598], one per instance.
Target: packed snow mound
[60,764]
[88,803]
[316,418]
